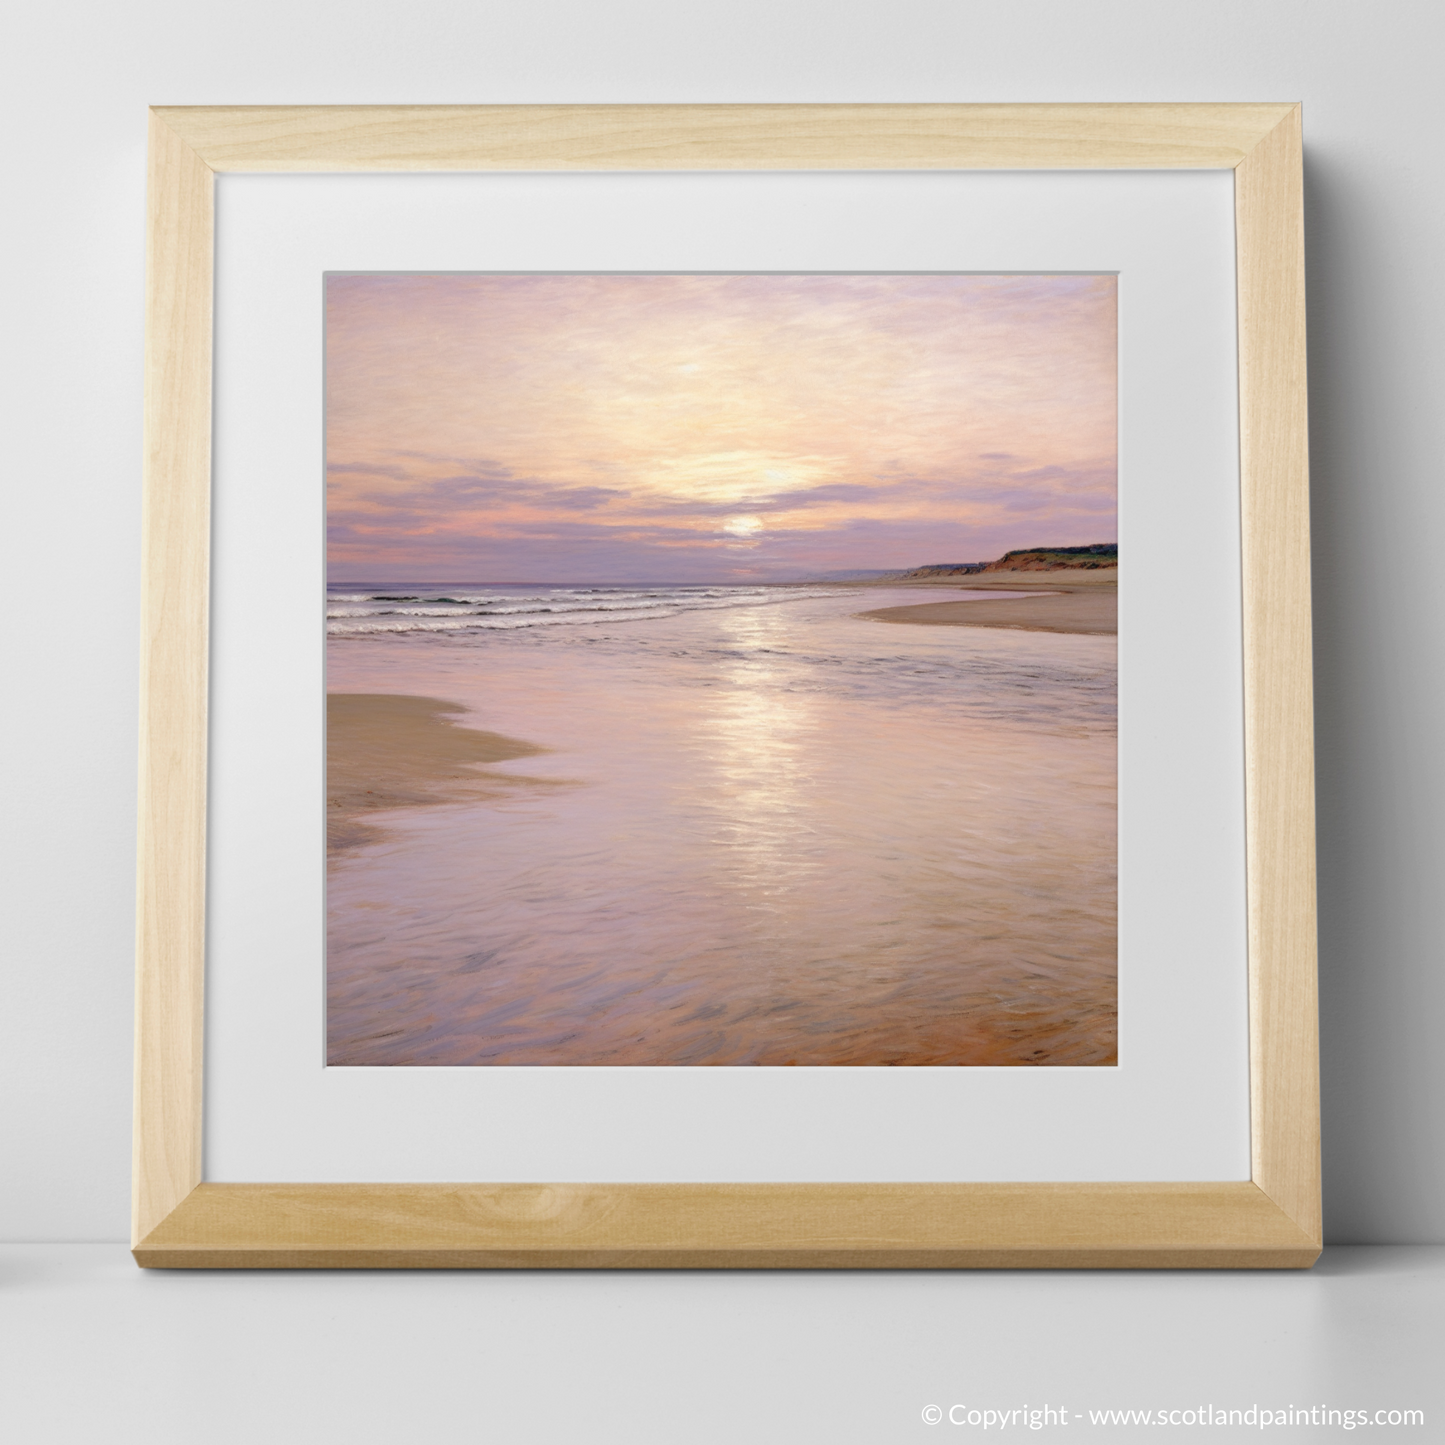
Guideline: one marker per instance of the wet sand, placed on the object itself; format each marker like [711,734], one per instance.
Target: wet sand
[387,750]
[1094,612]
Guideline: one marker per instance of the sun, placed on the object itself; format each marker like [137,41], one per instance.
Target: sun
[743,526]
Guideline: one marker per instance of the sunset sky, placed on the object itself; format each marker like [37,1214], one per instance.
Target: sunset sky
[655,428]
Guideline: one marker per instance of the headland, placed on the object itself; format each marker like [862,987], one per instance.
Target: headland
[1072,589]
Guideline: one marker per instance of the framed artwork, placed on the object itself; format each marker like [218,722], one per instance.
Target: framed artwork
[721,681]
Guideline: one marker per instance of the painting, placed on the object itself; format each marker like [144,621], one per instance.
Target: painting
[721,669]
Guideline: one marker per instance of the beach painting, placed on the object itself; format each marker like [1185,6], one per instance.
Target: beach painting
[721,670]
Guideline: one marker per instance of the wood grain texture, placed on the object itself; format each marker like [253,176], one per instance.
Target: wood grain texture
[1272,1222]
[720,137]
[1279,707]
[704,1226]
[170,909]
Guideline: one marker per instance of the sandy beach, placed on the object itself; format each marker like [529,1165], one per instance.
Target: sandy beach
[1087,610]
[386,750]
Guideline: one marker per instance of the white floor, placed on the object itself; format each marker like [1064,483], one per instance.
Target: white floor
[94,1350]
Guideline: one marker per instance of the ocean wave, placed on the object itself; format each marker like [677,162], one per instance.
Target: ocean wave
[457,597]
[478,622]
[492,612]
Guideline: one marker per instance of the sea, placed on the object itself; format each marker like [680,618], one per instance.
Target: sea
[765,831]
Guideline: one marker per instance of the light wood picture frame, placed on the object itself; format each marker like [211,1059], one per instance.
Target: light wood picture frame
[1271,1220]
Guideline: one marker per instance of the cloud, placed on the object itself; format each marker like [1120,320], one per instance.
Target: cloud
[365,469]
[475,491]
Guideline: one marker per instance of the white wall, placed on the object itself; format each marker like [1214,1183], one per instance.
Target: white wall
[77,76]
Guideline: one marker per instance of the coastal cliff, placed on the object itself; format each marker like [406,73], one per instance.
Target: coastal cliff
[1028,559]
